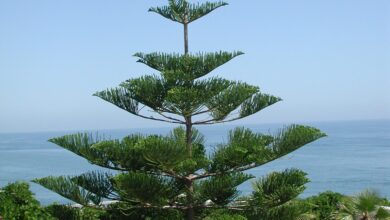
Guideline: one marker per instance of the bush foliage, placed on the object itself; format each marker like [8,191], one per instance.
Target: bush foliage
[17,202]
[325,204]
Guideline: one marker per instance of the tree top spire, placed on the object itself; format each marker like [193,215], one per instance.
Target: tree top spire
[184,12]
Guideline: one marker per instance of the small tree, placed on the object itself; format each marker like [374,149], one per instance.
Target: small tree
[166,176]
[365,206]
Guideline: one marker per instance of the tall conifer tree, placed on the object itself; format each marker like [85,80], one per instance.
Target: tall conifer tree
[166,176]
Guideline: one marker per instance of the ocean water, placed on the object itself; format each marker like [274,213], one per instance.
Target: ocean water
[354,156]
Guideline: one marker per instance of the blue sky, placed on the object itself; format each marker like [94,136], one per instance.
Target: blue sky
[328,60]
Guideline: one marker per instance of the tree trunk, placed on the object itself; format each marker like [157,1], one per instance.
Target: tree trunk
[185,38]
[190,213]
[189,136]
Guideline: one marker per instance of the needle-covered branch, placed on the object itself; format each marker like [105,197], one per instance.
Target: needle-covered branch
[246,149]
[185,68]
[67,188]
[246,102]
[272,198]
[216,97]
[126,100]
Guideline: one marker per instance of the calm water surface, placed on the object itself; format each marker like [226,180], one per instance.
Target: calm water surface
[354,156]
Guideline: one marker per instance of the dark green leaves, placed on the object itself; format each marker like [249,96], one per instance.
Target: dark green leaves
[121,98]
[256,103]
[215,96]
[273,195]
[122,155]
[246,99]
[156,154]
[98,183]
[143,188]
[149,90]
[183,12]
[189,100]
[246,149]
[179,135]
[198,160]
[222,189]
[162,152]
[86,189]
[67,188]
[294,137]
[279,187]
[80,144]
[18,202]
[179,90]
[231,98]
[224,215]
[185,68]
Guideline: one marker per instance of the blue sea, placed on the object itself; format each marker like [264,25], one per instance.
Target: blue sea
[354,156]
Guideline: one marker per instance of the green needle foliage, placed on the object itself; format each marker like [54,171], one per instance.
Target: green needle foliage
[172,177]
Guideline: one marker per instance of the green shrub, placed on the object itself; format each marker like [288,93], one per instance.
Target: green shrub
[118,211]
[17,202]
[225,217]
[62,212]
[66,212]
[325,204]
[385,202]
[222,214]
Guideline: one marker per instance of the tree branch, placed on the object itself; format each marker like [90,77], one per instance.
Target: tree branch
[159,119]
[235,169]
[214,121]
[170,118]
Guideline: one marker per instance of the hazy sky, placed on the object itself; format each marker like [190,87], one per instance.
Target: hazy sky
[328,59]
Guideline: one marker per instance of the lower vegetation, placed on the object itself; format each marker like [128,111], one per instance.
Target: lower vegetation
[17,202]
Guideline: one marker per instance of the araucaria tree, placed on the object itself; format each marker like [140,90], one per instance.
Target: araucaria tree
[168,177]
